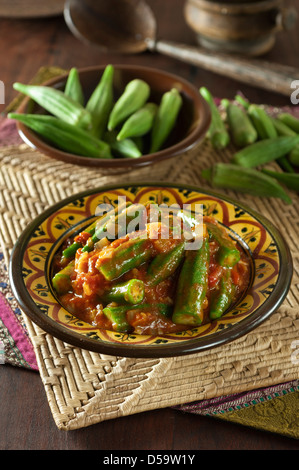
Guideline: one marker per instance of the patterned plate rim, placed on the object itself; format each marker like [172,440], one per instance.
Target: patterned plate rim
[188,346]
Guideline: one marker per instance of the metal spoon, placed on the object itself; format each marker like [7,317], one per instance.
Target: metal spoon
[129,27]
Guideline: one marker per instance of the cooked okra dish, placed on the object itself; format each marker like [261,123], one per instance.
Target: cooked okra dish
[104,124]
[147,281]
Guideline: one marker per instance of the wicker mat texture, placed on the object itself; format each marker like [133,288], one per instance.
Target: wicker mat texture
[84,388]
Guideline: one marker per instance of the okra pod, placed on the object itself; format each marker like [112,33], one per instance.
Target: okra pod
[100,102]
[228,254]
[62,282]
[290,180]
[135,95]
[115,226]
[164,265]
[118,318]
[131,292]
[266,129]
[265,151]
[124,148]
[64,136]
[139,123]
[282,128]
[217,133]
[73,87]
[294,156]
[70,251]
[262,122]
[57,103]
[192,286]
[246,180]
[130,254]
[242,130]
[223,298]
[290,121]
[118,314]
[165,119]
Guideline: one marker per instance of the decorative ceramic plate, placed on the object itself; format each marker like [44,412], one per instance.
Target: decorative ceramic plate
[30,271]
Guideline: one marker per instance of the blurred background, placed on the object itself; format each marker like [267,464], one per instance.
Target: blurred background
[35,34]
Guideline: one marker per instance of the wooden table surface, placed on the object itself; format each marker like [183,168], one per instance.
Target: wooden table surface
[26,422]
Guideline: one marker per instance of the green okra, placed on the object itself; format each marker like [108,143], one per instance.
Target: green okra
[70,250]
[164,265]
[139,123]
[246,180]
[217,132]
[127,148]
[134,96]
[242,130]
[165,119]
[62,281]
[57,103]
[118,314]
[73,87]
[265,151]
[129,255]
[282,128]
[192,286]
[100,102]
[64,136]
[290,180]
[294,156]
[222,298]
[290,121]
[266,129]
[262,122]
[131,292]
[114,226]
[118,318]
[228,254]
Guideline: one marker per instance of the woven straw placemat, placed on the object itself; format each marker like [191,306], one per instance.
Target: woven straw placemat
[83,387]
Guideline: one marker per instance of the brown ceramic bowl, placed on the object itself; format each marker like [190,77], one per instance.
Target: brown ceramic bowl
[191,127]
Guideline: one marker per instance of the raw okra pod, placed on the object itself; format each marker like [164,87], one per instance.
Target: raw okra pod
[57,103]
[139,123]
[282,128]
[290,121]
[241,128]
[294,156]
[65,136]
[290,180]
[265,151]
[168,110]
[73,87]
[262,122]
[217,132]
[122,148]
[100,102]
[134,97]
[245,180]
[192,286]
